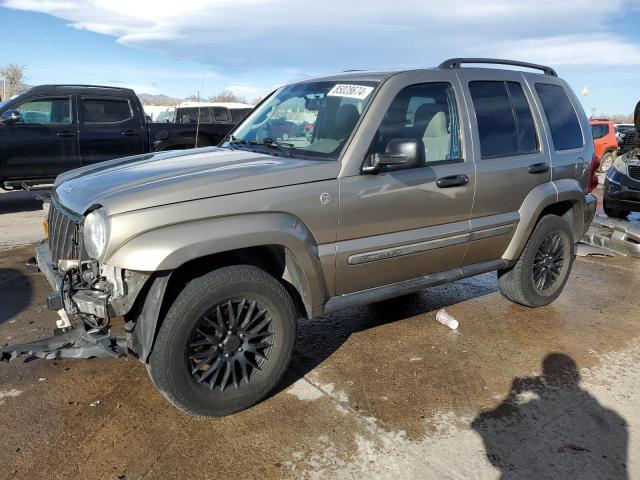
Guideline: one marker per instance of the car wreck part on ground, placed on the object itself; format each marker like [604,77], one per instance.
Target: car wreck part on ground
[614,236]
[70,343]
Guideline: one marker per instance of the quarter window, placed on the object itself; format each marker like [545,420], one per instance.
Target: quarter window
[45,110]
[425,112]
[505,123]
[561,116]
[103,110]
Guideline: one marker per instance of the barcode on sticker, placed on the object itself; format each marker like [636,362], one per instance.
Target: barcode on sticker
[352,91]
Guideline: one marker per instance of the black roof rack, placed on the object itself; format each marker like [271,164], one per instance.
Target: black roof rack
[73,85]
[457,62]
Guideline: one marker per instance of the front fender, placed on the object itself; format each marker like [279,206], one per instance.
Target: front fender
[169,247]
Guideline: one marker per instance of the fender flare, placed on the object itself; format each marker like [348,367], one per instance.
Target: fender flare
[539,198]
[169,247]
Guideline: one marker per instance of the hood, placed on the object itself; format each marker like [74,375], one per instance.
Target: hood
[150,180]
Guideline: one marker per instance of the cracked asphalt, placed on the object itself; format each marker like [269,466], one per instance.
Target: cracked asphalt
[377,392]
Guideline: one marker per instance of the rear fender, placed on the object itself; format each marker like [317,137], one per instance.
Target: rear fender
[537,200]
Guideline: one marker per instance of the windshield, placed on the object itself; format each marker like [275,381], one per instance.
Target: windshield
[310,119]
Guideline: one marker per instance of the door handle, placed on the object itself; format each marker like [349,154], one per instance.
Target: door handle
[538,167]
[65,134]
[452,181]
[130,133]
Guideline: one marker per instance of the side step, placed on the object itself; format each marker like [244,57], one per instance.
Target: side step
[72,343]
[617,236]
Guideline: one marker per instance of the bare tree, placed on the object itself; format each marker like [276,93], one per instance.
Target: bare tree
[227,96]
[12,75]
[256,100]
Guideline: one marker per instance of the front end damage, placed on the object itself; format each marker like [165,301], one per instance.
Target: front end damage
[86,295]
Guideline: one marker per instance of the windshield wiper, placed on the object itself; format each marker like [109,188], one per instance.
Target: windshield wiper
[284,148]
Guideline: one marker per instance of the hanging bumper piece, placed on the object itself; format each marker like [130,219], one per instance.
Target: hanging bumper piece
[70,343]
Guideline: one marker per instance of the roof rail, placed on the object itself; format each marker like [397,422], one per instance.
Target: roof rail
[66,85]
[457,62]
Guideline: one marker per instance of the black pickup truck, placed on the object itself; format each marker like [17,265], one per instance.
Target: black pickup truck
[54,128]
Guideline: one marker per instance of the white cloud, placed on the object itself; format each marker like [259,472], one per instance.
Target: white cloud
[239,35]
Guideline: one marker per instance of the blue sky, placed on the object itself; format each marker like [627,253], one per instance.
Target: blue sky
[251,46]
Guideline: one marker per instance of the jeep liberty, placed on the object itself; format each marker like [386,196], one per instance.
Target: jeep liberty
[408,179]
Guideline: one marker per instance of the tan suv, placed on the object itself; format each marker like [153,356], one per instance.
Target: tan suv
[409,179]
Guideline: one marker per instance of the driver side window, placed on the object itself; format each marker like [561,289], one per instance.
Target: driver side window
[45,110]
[427,113]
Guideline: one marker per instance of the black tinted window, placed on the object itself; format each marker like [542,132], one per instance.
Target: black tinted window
[426,112]
[221,115]
[102,110]
[238,114]
[505,124]
[599,131]
[527,140]
[561,116]
[190,115]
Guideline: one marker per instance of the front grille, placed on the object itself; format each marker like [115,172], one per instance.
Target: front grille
[63,234]
[634,171]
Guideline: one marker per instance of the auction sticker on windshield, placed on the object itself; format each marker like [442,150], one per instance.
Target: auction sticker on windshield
[352,91]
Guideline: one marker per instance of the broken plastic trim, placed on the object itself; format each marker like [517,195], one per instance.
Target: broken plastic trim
[72,343]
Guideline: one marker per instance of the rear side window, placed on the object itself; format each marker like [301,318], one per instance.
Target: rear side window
[238,114]
[102,110]
[561,116]
[191,115]
[505,123]
[221,115]
[599,130]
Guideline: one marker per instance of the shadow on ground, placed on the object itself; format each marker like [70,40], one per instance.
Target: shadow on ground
[19,201]
[549,427]
[15,293]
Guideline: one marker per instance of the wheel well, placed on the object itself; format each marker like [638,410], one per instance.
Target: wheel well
[274,259]
[566,211]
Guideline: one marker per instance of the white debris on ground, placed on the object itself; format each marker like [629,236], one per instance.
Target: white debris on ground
[10,393]
[95,404]
[447,319]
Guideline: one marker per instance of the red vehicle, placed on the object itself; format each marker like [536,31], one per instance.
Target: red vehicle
[605,141]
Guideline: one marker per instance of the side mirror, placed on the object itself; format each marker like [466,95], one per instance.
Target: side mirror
[636,118]
[400,154]
[9,117]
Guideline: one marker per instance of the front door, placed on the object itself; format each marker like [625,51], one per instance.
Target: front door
[110,127]
[43,143]
[402,224]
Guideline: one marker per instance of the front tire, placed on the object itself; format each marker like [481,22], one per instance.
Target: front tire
[225,343]
[543,268]
[606,161]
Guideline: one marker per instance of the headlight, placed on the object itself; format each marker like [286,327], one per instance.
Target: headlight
[620,165]
[94,233]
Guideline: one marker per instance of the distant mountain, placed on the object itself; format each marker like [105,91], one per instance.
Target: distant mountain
[150,99]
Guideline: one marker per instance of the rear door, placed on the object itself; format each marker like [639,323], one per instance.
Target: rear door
[44,143]
[110,127]
[510,152]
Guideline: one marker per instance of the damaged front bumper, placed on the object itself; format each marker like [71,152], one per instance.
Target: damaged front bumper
[75,339]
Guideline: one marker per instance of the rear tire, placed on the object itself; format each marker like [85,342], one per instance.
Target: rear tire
[543,268]
[225,343]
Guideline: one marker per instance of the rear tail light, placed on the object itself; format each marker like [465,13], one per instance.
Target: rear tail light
[593,177]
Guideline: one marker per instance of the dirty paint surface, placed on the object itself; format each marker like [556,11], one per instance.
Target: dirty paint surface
[382,391]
